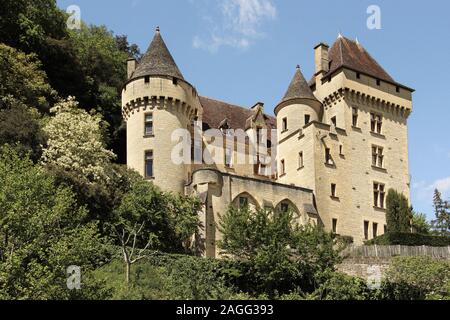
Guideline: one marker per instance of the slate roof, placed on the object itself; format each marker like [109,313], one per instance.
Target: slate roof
[157,61]
[215,112]
[346,53]
[298,88]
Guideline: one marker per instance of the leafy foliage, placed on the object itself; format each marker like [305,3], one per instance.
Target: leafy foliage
[274,255]
[75,142]
[420,223]
[398,214]
[442,210]
[42,232]
[410,239]
[416,278]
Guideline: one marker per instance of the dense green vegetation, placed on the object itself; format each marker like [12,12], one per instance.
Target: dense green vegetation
[65,198]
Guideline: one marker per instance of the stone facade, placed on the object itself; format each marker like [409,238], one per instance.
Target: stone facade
[337,143]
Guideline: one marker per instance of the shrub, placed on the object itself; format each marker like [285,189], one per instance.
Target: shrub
[410,239]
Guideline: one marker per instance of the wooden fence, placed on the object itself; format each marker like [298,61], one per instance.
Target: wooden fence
[375,251]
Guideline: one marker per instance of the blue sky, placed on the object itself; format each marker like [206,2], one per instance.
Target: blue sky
[244,51]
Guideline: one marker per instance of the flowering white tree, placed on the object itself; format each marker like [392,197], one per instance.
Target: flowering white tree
[75,142]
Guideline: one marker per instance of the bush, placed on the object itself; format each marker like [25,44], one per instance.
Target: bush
[410,239]
[416,278]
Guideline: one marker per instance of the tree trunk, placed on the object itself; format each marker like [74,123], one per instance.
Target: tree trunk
[127,272]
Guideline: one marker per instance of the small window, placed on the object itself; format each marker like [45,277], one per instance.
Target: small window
[328,158]
[358,75]
[307,119]
[147,79]
[283,167]
[355,114]
[243,202]
[375,229]
[379,195]
[378,82]
[284,207]
[376,123]
[149,164]
[333,190]
[341,150]
[366,230]
[284,125]
[259,135]
[148,124]
[334,121]
[334,228]
[377,157]
[228,157]
[300,160]
[175,81]
[397,89]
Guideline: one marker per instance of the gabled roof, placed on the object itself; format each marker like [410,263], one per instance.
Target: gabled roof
[215,112]
[350,54]
[157,61]
[299,88]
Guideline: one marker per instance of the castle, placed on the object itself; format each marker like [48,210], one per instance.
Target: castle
[337,142]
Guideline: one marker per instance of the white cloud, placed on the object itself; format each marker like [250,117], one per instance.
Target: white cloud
[238,23]
[425,191]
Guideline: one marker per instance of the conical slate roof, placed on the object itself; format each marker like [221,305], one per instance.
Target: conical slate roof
[299,88]
[157,61]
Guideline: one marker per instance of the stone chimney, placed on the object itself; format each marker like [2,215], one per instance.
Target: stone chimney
[131,66]
[321,58]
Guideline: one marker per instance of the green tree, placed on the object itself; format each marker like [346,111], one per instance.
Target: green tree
[442,211]
[398,214]
[22,81]
[20,127]
[76,143]
[147,218]
[420,223]
[273,253]
[416,278]
[42,232]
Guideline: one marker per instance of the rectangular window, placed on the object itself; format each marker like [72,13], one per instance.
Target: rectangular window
[148,124]
[284,125]
[147,79]
[366,230]
[300,160]
[335,222]
[328,158]
[307,119]
[333,190]
[375,229]
[397,89]
[149,164]
[228,157]
[377,157]
[355,114]
[379,195]
[376,123]
[258,135]
[358,75]
[283,167]
[175,81]
[341,150]
[378,82]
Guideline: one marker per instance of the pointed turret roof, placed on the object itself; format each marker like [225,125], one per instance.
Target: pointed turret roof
[157,61]
[299,88]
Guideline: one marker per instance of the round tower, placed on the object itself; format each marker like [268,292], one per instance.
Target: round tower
[156,101]
[298,107]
